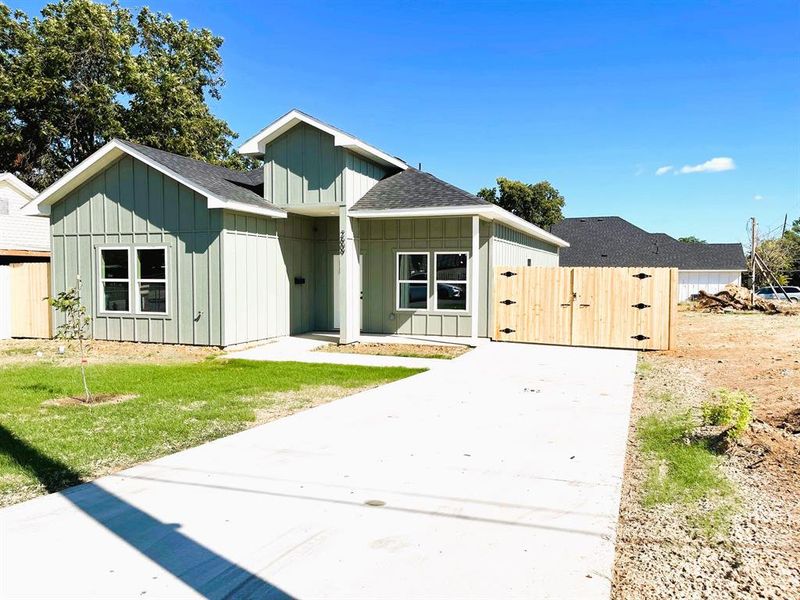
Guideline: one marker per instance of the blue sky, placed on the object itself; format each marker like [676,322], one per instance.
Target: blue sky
[593,96]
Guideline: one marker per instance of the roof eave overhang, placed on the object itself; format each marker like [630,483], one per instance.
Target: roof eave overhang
[111,152]
[19,185]
[490,212]
[255,145]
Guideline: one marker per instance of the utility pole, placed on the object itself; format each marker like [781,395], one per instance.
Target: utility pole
[752,259]
[785,218]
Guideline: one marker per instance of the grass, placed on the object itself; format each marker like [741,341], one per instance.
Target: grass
[683,471]
[173,406]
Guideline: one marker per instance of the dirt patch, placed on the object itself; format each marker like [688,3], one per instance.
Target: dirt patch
[99,351]
[95,400]
[661,552]
[284,404]
[408,350]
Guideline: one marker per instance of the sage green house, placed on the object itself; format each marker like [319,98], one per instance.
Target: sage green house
[331,234]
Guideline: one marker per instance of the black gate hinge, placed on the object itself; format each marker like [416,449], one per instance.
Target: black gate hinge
[641,275]
[508,273]
[507,330]
[639,337]
[640,306]
[507,302]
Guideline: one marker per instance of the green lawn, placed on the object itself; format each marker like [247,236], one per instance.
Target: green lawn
[45,447]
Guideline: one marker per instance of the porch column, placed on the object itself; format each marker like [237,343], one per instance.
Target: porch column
[349,281]
[475,277]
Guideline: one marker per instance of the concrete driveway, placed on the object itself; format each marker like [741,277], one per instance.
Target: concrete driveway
[495,476]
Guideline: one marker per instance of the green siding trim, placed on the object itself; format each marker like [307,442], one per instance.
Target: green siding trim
[303,166]
[262,258]
[130,204]
[514,248]
[381,239]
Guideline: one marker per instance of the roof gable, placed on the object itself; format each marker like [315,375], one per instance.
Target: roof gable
[223,188]
[255,145]
[20,186]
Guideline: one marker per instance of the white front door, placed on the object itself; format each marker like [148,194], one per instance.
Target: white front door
[336,284]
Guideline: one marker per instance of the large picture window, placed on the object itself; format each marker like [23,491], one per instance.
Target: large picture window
[412,281]
[450,277]
[133,280]
[115,279]
[151,279]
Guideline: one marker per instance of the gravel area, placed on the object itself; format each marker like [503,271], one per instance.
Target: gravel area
[661,553]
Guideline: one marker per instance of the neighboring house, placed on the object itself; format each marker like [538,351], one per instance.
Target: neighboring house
[614,242]
[23,240]
[331,234]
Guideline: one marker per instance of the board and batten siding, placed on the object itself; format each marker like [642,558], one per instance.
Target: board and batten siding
[303,166]
[131,204]
[381,239]
[513,248]
[264,263]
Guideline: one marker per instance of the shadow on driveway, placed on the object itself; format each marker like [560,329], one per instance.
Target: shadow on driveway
[208,573]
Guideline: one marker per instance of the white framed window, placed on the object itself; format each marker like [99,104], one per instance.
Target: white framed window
[133,280]
[451,281]
[413,279]
[151,280]
[115,280]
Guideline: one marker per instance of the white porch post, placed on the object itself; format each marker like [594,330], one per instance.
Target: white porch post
[349,281]
[475,277]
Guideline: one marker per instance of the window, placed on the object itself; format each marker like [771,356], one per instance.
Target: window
[151,280]
[451,281]
[412,281]
[115,279]
[138,286]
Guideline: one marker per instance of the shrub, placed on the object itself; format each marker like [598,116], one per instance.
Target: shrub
[731,409]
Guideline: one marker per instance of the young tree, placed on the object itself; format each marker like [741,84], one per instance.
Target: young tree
[774,254]
[538,203]
[75,325]
[85,72]
[690,239]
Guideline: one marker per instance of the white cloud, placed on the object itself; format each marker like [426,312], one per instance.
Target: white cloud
[758,197]
[715,165]
[664,170]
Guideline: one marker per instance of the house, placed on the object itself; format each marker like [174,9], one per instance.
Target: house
[331,234]
[24,252]
[615,242]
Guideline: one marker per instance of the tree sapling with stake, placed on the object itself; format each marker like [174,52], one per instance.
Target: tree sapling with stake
[75,325]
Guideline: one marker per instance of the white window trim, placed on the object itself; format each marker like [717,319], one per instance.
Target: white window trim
[398,281]
[133,281]
[101,300]
[165,281]
[465,281]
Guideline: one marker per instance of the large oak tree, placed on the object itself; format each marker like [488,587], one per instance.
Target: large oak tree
[84,72]
[538,203]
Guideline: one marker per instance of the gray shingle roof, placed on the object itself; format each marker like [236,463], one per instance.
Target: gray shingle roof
[614,242]
[415,189]
[227,184]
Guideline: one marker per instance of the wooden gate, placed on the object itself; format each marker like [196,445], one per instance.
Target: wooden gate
[610,307]
[30,313]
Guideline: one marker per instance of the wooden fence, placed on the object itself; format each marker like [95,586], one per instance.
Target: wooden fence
[611,307]
[30,313]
